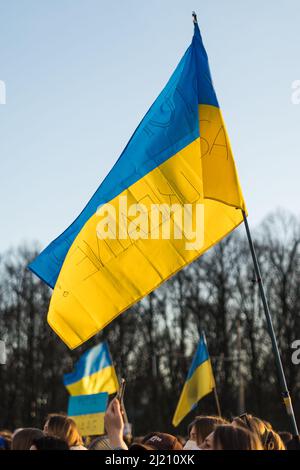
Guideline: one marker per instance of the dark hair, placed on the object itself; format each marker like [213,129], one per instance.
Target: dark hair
[50,443]
[228,437]
[205,425]
[23,438]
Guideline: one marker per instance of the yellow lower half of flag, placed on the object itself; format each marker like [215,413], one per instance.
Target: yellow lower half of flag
[101,278]
[91,424]
[200,384]
[104,380]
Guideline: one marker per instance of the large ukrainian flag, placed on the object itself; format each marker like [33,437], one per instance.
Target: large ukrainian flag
[93,373]
[179,154]
[199,382]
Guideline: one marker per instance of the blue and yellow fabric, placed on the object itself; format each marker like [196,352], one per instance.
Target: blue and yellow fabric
[88,413]
[199,382]
[179,154]
[93,373]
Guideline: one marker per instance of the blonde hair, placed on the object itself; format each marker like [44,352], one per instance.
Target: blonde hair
[272,441]
[65,428]
[269,438]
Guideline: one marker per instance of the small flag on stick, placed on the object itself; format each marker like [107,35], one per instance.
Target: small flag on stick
[199,382]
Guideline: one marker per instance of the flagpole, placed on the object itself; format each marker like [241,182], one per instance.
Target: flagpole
[215,387]
[282,380]
[217,401]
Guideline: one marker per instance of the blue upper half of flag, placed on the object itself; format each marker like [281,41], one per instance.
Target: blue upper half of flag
[87,404]
[199,358]
[91,361]
[171,124]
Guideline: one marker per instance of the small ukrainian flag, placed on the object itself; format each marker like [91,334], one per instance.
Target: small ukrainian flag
[93,373]
[199,382]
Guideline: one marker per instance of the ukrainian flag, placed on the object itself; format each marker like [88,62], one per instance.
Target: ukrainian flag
[88,412]
[180,154]
[199,382]
[93,373]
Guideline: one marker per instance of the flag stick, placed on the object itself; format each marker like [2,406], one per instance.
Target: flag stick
[215,387]
[217,402]
[241,395]
[121,400]
[283,385]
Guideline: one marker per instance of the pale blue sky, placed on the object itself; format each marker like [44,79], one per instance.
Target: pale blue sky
[80,75]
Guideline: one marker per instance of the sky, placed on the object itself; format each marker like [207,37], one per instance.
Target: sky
[80,75]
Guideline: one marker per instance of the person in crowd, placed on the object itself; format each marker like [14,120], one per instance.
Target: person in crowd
[100,443]
[201,427]
[229,437]
[23,438]
[157,441]
[49,443]
[269,438]
[65,428]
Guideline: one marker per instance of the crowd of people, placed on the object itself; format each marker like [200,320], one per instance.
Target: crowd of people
[60,432]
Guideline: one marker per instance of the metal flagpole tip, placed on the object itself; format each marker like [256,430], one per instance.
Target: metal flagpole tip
[194,17]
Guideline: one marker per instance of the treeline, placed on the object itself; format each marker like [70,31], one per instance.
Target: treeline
[152,343]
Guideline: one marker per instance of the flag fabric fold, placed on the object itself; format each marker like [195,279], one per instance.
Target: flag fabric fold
[199,382]
[179,155]
[93,373]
